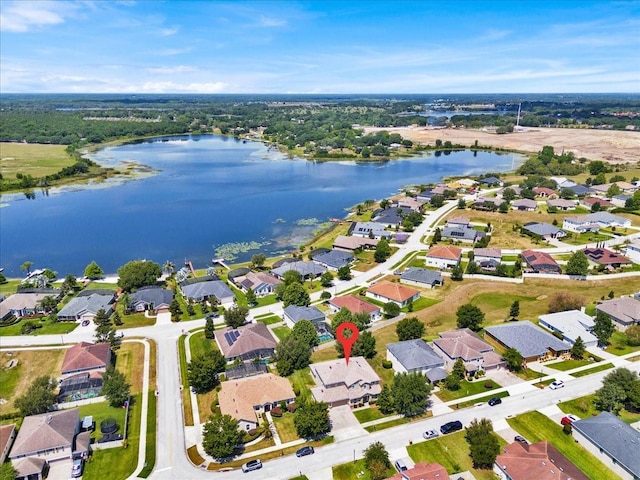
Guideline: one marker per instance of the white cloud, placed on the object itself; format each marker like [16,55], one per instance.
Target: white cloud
[172,87]
[166,70]
[174,51]
[167,32]
[24,16]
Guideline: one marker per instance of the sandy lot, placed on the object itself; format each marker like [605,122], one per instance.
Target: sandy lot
[610,145]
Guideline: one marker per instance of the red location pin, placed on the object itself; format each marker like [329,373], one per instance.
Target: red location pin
[347,342]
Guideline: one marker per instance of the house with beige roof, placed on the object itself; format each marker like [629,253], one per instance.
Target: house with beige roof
[352,243]
[422,471]
[26,303]
[49,436]
[246,342]
[7,435]
[261,283]
[443,256]
[247,399]
[338,383]
[464,344]
[355,305]
[386,291]
[538,460]
[623,312]
[86,357]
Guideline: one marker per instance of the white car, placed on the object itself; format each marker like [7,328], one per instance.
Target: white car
[430,434]
[556,385]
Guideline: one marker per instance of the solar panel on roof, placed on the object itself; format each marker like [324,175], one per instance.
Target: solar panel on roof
[228,338]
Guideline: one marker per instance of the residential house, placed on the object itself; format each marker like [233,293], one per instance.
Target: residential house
[7,435]
[563,182]
[544,192]
[27,302]
[524,204]
[580,190]
[247,342]
[305,269]
[611,441]
[408,203]
[86,357]
[462,184]
[603,257]
[532,342]
[624,311]
[422,471]
[391,217]
[620,200]
[443,256]
[491,182]
[87,304]
[602,189]
[355,305]
[368,230]
[261,283]
[580,224]
[205,288]
[540,262]
[589,202]
[333,259]
[351,244]
[341,383]
[458,222]
[607,220]
[461,233]
[538,460]
[246,399]
[386,291]
[246,369]
[631,251]
[486,203]
[421,277]
[464,344]
[571,324]
[562,204]
[31,468]
[412,356]
[294,313]
[515,188]
[153,299]
[542,230]
[487,258]
[49,436]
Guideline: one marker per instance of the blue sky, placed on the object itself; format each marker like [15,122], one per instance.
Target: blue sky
[320,47]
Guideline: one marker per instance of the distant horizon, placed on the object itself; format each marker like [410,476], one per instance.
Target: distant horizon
[330,94]
[319,48]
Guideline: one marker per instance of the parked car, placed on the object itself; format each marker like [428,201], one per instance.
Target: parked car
[85,323]
[521,439]
[213,315]
[110,437]
[430,434]
[557,384]
[495,401]
[252,465]
[301,452]
[451,427]
[568,420]
[400,465]
[76,468]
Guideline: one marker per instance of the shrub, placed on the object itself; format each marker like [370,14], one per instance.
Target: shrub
[566,429]
[252,432]
[387,364]
[488,384]
[276,412]
[291,408]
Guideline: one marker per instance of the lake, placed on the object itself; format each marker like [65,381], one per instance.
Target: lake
[214,196]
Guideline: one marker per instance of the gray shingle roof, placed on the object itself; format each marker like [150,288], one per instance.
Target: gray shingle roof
[616,438]
[303,268]
[542,229]
[364,228]
[152,295]
[422,275]
[88,303]
[216,288]
[528,339]
[415,354]
[296,313]
[461,233]
[334,258]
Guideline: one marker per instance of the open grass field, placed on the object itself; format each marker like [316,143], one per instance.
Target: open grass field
[130,361]
[536,427]
[619,345]
[452,452]
[15,381]
[36,160]
[47,327]
[583,407]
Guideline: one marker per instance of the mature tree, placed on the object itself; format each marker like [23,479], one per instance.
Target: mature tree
[344,272]
[633,396]
[578,349]
[508,194]
[457,273]
[459,369]
[295,294]
[251,297]
[598,166]
[257,260]
[469,316]
[437,235]
[462,204]
[360,320]
[175,310]
[7,472]
[202,371]
[382,251]
[38,398]
[69,284]
[168,268]
[221,436]
[376,455]
[633,335]
[364,346]
[603,327]
[409,328]
[116,319]
[452,382]
[437,201]
[391,309]
[292,353]
[610,398]
[26,266]
[578,264]
[209,329]
[410,393]
[138,273]
[385,203]
[326,279]
[291,276]
[305,331]
[312,420]
[513,358]
[563,301]
[514,311]
[619,387]
[105,331]
[93,271]
[236,316]
[483,445]
[385,401]
[48,303]
[115,387]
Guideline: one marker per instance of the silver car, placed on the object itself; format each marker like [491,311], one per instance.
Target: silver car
[430,434]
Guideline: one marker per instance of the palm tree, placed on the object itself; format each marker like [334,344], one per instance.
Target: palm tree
[26,266]
[169,267]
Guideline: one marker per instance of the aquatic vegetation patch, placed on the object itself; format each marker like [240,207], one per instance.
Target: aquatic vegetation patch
[230,251]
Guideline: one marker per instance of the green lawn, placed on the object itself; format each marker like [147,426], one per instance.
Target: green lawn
[537,427]
[269,319]
[589,371]
[618,344]
[482,399]
[528,374]
[583,408]
[421,304]
[133,320]
[466,388]
[150,446]
[569,364]
[302,381]
[201,345]
[9,287]
[355,471]
[452,452]
[584,238]
[391,423]
[48,327]
[365,415]
[286,428]
[281,332]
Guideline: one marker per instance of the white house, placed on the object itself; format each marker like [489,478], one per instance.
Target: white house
[571,324]
[632,251]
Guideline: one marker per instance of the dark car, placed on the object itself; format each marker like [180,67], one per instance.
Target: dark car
[521,439]
[304,451]
[110,437]
[495,401]
[213,315]
[252,465]
[451,427]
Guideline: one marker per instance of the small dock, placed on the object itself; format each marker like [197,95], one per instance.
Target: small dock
[220,261]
